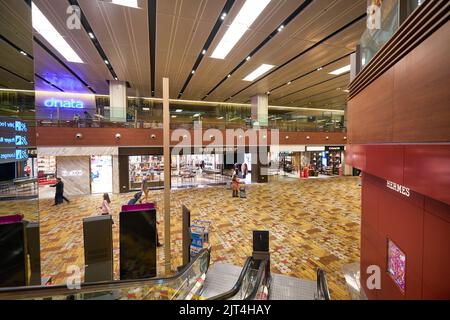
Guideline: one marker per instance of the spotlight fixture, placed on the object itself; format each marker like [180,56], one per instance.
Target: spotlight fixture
[91,35]
[289,82]
[23,53]
[280,28]
[79,136]
[118,136]
[106,62]
[203,52]
[248,58]
[327,137]
[287,137]
[320,68]
[308,137]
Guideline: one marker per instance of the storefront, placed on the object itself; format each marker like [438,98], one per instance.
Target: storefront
[135,163]
[83,170]
[324,160]
[196,168]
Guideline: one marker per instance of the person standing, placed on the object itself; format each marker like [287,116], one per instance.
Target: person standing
[105,209]
[244,170]
[235,186]
[59,192]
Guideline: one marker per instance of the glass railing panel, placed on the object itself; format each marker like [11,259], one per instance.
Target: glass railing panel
[384,19]
[176,287]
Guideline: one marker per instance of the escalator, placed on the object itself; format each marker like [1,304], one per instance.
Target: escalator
[196,281]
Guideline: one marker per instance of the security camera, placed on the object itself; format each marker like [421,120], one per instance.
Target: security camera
[118,136]
[153,136]
[79,135]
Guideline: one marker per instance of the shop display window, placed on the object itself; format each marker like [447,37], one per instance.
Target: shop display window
[151,166]
[101,174]
[46,170]
[397,265]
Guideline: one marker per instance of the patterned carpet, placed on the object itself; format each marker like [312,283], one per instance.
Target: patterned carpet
[312,223]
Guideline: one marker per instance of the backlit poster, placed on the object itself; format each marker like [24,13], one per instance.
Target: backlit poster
[397,265]
[101,174]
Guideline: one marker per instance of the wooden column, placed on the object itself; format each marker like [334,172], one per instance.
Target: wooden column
[166,136]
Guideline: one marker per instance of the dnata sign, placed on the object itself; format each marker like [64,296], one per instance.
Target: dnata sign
[66,104]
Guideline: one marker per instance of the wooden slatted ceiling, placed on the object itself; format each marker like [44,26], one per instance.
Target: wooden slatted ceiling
[182,29]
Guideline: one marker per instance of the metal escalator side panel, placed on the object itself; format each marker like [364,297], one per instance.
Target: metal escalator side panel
[323,292]
[259,280]
[153,288]
[238,285]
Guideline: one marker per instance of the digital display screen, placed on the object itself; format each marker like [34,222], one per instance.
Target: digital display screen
[397,265]
[13,135]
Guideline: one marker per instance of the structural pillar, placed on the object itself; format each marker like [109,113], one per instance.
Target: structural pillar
[166,136]
[260,110]
[118,101]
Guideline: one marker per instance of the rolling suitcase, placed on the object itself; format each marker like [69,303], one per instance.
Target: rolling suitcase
[242,193]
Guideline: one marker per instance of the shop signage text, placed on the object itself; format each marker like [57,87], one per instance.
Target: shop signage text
[73,173]
[398,188]
[66,104]
[334,148]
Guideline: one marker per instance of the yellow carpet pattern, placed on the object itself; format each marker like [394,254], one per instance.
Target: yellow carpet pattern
[312,223]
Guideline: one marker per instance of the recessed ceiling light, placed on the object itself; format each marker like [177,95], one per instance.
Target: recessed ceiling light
[126,3]
[341,70]
[179,110]
[228,75]
[23,53]
[223,15]
[115,78]
[244,19]
[258,72]
[196,115]
[91,35]
[106,62]
[193,71]
[280,28]
[52,36]
[174,116]
[220,118]
[289,82]
[320,68]
[204,51]
[248,58]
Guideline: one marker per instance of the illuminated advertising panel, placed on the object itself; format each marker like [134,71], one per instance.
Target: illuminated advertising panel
[62,105]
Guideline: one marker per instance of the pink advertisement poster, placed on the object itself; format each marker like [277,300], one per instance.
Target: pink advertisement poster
[397,265]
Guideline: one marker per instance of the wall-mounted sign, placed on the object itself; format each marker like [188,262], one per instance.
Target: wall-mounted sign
[398,188]
[72,173]
[315,148]
[63,106]
[66,104]
[334,148]
[12,136]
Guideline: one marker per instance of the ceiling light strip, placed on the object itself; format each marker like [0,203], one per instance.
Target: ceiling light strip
[93,38]
[318,94]
[47,31]
[151,14]
[246,16]
[312,71]
[228,5]
[50,52]
[304,52]
[309,87]
[291,17]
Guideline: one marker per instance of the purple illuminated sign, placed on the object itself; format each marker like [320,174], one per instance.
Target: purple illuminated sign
[67,104]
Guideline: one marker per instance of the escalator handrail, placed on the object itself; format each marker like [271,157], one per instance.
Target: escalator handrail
[62,290]
[260,277]
[237,286]
[322,285]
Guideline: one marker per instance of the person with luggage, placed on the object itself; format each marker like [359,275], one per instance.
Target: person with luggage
[59,192]
[235,186]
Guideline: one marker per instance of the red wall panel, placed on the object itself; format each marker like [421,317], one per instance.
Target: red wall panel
[419,226]
[427,169]
[436,257]
[401,222]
